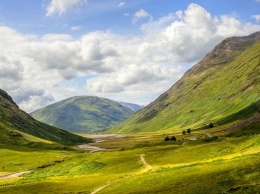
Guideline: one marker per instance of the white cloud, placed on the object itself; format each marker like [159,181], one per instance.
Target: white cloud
[121,4]
[128,68]
[132,74]
[75,28]
[62,6]
[56,37]
[141,14]
[256,17]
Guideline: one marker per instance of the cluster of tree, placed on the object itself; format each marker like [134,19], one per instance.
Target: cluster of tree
[173,138]
[186,131]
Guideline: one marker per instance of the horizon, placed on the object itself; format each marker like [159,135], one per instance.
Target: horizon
[120,50]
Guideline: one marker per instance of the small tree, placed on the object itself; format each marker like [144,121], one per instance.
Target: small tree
[183,132]
[173,138]
[189,131]
[211,125]
[166,138]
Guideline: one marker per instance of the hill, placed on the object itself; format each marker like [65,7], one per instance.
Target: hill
[19,128]
[83,114]
[222,88]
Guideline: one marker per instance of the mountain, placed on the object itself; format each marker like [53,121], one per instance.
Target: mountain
[83,114]
[223,87]
[131,106]
[19,128]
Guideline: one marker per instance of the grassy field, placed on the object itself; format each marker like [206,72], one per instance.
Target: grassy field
[227,164]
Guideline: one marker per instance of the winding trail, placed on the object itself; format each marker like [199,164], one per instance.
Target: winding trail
[91,148]
[100,188]
[149,167]
[15,175]
[107,185]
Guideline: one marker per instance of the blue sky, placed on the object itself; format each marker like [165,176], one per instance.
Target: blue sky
[29,16]
[126,50]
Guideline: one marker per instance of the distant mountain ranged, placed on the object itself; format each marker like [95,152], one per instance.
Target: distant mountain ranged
[131,106]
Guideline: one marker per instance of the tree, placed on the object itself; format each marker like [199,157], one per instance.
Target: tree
[189,131]
[173,138]
[183,132]
[166,138]
[211,125]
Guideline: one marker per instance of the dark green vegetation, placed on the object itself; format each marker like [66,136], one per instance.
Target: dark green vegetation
[19,128]
[83,114]
[224,87]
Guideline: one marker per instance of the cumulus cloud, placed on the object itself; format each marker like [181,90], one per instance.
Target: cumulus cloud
[136,68]
[62,6]
[141,14]
[75,28]
[121,4]
[256,17]
[130,75]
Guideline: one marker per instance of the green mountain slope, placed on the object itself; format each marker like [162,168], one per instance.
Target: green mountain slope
[83,114]
[17,127]
[222,88]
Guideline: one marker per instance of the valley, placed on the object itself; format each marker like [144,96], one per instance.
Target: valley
[207,165]
[200,136]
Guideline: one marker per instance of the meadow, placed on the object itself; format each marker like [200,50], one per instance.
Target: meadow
[229,163]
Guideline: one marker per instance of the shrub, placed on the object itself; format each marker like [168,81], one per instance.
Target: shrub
[166,138]
[173,138]
[189,131]
[211,125]
[183,132]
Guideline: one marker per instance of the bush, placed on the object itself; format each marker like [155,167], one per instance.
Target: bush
[214,138]
[189,131]
[166,138]
[173,138]
[211,125]
[183,132]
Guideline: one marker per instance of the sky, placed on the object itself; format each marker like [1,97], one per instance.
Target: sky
[124,50]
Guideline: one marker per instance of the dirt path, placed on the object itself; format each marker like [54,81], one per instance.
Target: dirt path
[15,175]
[107,185]
[101,188]
[149,167]
[91,148]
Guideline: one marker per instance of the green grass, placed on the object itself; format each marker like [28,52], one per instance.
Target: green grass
[229,163]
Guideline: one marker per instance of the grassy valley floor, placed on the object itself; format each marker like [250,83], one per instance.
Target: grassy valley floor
[216,162]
